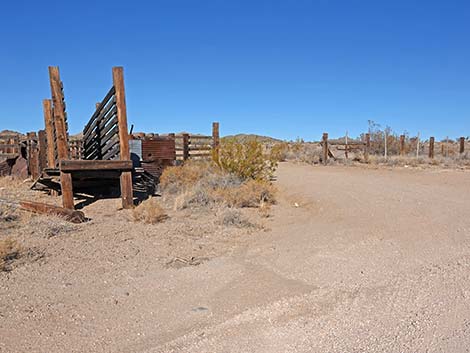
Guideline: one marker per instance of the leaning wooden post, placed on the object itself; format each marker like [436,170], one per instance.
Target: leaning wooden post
[367,148]
[346,145]
[124,151]
[49,123]
[431,147]
[325,148]
[402,145]
[215,141]
[61,135]
[462,145]
[185,147]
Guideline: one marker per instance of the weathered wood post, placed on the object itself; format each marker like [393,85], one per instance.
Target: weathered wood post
[49,123]
[417,146]
[346,145]
[462,145]
[431,147]
[33,155]
[61,135]
[42,145]
[185,147]
[402,145]
[325,148]
[215,141]
[367,148]
[124,151]
[386,145]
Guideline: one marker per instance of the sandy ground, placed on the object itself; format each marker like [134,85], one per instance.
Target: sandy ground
[370,261]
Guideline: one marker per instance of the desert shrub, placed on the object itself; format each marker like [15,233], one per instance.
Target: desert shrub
[9,250]
[246,160]
[149,211]
[233,218]
[279,151]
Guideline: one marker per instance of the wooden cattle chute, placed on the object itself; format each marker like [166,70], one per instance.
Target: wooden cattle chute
[103,155]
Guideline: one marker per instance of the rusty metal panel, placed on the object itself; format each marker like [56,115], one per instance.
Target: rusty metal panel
[158,148]
[157,153]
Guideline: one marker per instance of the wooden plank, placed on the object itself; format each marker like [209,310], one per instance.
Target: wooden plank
[462,145]
[97,112]
[104,115]
[74,165]
[69,215]
[59,113]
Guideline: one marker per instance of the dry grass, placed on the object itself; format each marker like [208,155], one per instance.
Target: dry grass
[10,183]
[47,226]
[234,218]
[149,211]
[9,251]
[8,214]
[252,193]
[214,187]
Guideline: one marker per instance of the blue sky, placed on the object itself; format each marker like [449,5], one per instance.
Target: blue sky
[282,68]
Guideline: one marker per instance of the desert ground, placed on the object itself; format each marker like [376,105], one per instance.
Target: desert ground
[351,259]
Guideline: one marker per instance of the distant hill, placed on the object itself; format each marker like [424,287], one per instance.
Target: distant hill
[251,137]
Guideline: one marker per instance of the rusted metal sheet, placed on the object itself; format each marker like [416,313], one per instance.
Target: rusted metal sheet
[157,153]
[158,148]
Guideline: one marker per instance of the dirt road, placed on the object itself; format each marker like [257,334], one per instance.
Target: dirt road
[369,261]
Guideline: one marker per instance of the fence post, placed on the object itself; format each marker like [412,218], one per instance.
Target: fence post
[386,147]
[42,144]
[417,146]
[124,151]
[325,148]
[402,145]
[346,145]
[185,147]
[431,147]
[462,145]
[215,141]
[367,148]
[49,123]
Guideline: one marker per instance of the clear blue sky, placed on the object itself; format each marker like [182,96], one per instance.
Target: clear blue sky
[282,68]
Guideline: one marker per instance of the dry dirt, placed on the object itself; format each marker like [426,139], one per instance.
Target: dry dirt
[369,261]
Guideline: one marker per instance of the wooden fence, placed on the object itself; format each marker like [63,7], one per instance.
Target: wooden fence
[195,146]
[404,147]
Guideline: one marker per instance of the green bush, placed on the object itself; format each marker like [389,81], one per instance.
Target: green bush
[247,160]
